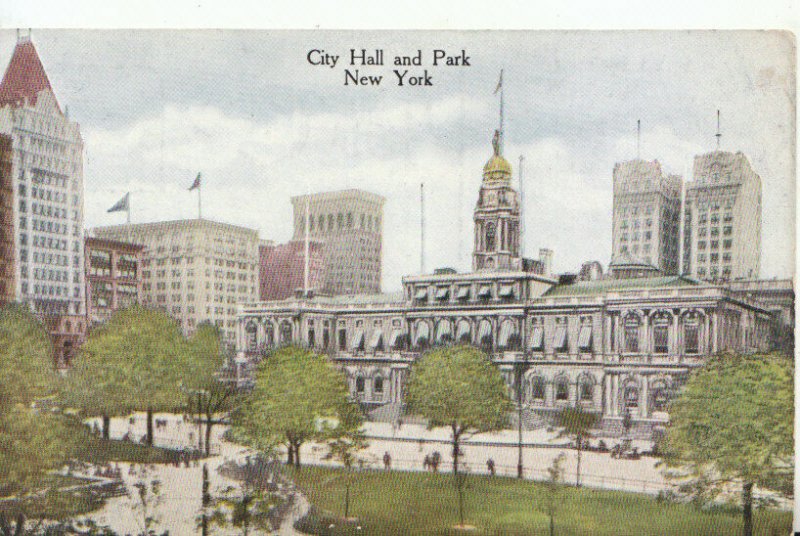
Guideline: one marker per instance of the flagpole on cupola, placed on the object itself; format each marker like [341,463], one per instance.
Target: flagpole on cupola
[502,99]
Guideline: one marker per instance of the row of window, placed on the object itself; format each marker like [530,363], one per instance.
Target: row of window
[338,222]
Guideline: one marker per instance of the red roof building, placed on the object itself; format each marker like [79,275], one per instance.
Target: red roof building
[25,77]
[282,267]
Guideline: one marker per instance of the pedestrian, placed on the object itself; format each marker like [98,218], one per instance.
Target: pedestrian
[426,463]
[435,459]
[490,466]
[387,461]
[399,423]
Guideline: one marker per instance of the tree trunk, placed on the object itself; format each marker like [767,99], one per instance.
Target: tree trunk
[208,437]
[456,450]
[290,454]
[106,426]
[747,508]
[552,526]
[297,454]
[149,436]
[578,469]
[347,499]
[460,499]
[206,501]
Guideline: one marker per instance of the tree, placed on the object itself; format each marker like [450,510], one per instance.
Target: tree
[345,449]
[555,474]
[460,388]
[733,423]
[576,424]
[32,440]
[298,396]
[209,394]
[139,360]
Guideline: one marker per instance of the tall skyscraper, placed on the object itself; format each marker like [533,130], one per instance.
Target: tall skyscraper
[350,225]
[6,222]
[195,270]
[646,215]
[722,218]
[47,171]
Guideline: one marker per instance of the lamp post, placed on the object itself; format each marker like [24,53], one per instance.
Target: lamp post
[519,370]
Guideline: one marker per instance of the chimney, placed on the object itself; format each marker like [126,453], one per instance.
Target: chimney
[546,258]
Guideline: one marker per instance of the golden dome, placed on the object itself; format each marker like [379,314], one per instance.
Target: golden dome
[497,168]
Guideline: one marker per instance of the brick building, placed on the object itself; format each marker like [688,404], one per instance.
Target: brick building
[282,268]
[113,279]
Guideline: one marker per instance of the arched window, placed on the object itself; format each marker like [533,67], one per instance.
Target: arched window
[586,389]
[661,322]
[321,224]
[251,336]
[537,388]
[330,222]
[286,332]
[631,325]
[67,326]
[349,220]
[423,338]
[691,333]
[360,385]
[339,221]
[491,236]
[562,389]
[659,395]
[631,395]
[509,336]
[378,385]
[463,332]
[444,333]
[269,334]
[485,337]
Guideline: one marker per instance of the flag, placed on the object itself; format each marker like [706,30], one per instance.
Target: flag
[499,83]
[122,204]
[196,183]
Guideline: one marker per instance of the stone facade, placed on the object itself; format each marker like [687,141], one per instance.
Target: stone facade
[7,271]
[113,277]
[350,225]
[614,346]
[646,217]
[722,219]
[195,270]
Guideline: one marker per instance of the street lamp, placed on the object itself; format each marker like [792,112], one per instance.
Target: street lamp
[519,369]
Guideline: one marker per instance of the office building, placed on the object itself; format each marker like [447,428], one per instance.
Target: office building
[113,278]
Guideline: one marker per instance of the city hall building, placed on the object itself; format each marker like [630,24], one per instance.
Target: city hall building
[617,345]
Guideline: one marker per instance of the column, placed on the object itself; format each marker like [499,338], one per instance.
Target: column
[614,395]
[644,402]
[607,395]
[646,337]
[714,333]
[549,398]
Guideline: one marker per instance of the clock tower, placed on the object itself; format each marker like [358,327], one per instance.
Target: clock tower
[496,217]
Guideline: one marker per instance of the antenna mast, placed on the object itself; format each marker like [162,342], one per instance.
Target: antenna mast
[638,138]
[521,210]
[305,250]
[718,134]
[422,228]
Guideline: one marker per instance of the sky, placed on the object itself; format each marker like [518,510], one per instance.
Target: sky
[248,110]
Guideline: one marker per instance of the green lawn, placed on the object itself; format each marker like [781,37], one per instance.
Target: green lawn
[422,503]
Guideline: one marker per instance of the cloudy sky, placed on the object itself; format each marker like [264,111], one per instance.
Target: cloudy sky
[262,124]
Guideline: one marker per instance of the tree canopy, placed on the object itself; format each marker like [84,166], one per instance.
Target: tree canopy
[577,424]
[138,360]
[27,369]
[734,419]
[298,396]
[458,387]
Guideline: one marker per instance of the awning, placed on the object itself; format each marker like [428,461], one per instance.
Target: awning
[358,340]
[537,338]
[396,336]
[506,330]
[463,331]
[485,330]
[443,330]
[560,340]
[485,291]
[506,291]
[377,339]
[585,338]
[421,294]
[463,293]
[442,293]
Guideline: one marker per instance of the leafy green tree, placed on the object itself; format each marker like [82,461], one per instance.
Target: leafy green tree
[27,369]
[458,387]
[733,423]
[139,360]
[298,396]
[555,475]
[577,424]
[32,441]
[210,396]
[345,450]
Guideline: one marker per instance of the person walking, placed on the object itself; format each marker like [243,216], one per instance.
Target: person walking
[387,461]
[490,466]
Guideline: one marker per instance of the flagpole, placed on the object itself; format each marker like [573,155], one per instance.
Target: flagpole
[305,249]
[502,99]
[199,201]
[128,211]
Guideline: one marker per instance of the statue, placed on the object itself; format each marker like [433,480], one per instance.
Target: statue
[496,143]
